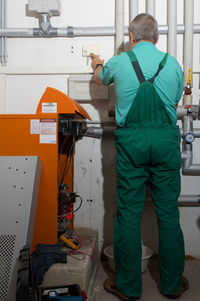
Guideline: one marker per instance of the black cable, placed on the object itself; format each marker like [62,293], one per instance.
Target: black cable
[81,201]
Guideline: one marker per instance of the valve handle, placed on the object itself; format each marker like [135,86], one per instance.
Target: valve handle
[190,76]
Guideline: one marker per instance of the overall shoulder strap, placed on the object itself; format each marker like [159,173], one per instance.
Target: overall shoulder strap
[160,67]
[136,66]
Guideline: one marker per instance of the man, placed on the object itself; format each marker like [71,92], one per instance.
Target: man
[148,86]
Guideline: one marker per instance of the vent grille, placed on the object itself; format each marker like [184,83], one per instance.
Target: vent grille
[7,243]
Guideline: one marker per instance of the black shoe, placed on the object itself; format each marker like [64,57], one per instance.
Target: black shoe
[109,286]
[184,287]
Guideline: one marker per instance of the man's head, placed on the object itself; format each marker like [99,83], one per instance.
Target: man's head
[143,28]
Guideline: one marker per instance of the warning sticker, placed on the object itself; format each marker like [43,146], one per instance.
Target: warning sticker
[50,139]
[49,107]
[48,131]
[35,126]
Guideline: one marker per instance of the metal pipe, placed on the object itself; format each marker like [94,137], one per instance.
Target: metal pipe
[133,9]
[196,133]
[150,7]
[188,38]
[187,125]
[188,168]
[4,40]
[44,22]
[186,200]
[181,112]
[172,21]
[5,24]
[119,25]
[80,31]
[16,33]
[1,41]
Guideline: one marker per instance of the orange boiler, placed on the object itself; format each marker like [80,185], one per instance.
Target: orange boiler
[49,135]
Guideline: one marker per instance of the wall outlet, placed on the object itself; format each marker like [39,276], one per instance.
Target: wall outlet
[90,48]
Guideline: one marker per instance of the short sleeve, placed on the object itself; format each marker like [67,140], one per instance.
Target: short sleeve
[180,88]
[106,75]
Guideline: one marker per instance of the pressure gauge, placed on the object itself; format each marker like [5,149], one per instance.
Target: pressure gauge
[189,137]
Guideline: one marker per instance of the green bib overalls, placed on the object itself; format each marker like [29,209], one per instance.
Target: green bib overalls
[148,150]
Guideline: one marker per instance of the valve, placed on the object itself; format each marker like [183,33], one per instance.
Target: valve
[187,98]
[189,137]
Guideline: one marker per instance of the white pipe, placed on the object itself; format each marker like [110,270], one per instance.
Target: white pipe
[3,93]
[119,25]
[2,39]
[172,23]
[188,38]
[133,9]
[72,32]
[4,25]
[150,7]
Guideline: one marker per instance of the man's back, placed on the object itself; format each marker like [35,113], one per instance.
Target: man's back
[169,83]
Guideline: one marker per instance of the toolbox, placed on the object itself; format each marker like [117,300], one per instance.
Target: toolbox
[60,293]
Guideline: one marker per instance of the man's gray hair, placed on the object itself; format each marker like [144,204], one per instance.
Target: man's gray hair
[144,27]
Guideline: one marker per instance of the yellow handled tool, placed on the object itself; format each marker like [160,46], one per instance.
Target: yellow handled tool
[70,241]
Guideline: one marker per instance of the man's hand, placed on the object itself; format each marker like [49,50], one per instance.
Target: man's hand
[95,60]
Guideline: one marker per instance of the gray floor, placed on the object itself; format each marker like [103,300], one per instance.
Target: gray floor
[150,279]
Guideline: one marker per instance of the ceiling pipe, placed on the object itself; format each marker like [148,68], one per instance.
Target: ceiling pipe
[188,38]
[72,32]
[172,21]
[133,9]
[119,25]
[150,7]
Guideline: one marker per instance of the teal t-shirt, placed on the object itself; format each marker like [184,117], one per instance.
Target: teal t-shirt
[119,70]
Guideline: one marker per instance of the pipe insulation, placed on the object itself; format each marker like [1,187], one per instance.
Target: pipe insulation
[119,25]
[188,38]
[150,7]
[133,9]
[172,21]
[72,32]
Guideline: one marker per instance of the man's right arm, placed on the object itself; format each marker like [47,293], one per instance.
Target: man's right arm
[96,65]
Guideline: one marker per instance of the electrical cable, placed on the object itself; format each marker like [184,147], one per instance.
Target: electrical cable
[59,172]
[71,212]
[82,252]
[67,163]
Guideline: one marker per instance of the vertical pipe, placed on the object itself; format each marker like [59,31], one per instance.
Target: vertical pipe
[172,27]
[3,93]
[133,9]
[5,25]
[1,25]
[150,7]
[188,38]
[119,25]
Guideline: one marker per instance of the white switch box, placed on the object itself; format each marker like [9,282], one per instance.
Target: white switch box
[84,88]
[90,48]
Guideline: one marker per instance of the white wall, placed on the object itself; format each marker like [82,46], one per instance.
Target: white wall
[34,64]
